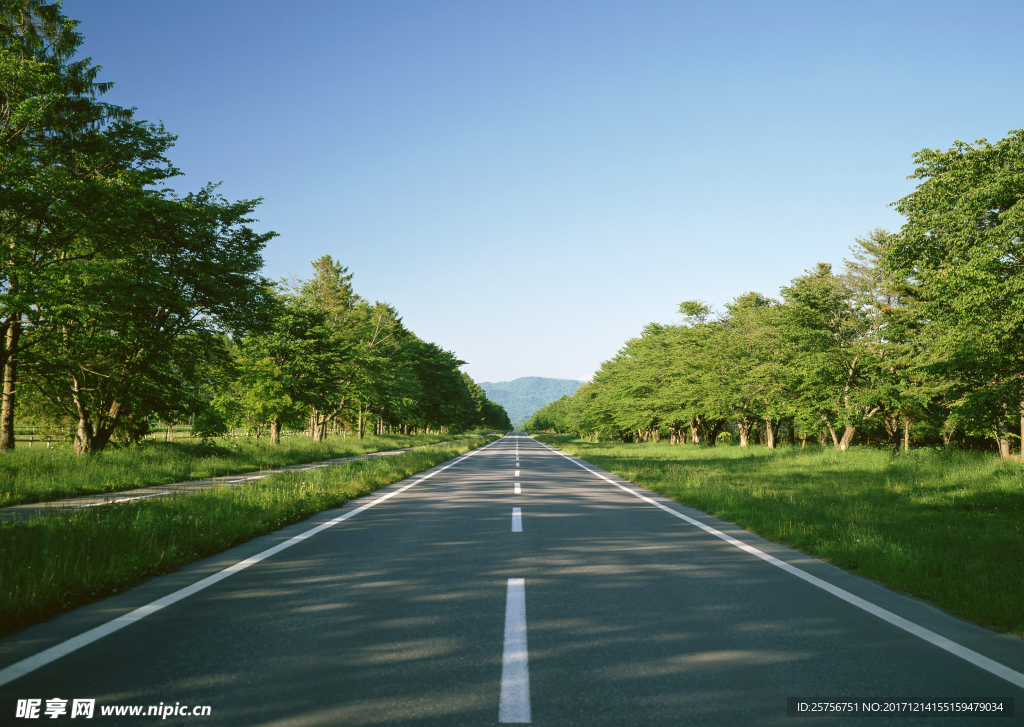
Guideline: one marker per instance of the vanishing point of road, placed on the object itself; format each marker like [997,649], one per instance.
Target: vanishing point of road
[512,584]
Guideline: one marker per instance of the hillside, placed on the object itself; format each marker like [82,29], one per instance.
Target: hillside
[523,396]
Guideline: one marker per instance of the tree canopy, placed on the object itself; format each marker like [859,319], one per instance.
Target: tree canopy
[123,302]
[920,334]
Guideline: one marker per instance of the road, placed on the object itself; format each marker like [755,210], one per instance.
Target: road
[458,600]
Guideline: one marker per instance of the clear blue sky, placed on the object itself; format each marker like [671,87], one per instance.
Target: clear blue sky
[530,183]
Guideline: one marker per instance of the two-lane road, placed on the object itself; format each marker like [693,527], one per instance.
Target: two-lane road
[511,584]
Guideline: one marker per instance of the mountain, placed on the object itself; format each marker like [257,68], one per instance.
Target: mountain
[522,397]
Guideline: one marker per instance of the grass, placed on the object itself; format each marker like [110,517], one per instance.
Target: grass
[946,526]
[38,474]
[53,564]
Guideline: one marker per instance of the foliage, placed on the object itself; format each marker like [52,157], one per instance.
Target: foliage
[122,302]
[920,336]
[960,252]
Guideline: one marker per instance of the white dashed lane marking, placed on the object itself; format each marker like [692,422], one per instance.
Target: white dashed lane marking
[514,706]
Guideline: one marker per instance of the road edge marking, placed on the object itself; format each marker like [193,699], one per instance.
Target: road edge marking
[969,655]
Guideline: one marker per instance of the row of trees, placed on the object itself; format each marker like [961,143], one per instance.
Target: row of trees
[329,360]
[921,335]
[122,301]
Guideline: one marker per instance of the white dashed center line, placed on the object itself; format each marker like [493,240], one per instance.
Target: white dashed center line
[515,667]
[518,491]
[517,520]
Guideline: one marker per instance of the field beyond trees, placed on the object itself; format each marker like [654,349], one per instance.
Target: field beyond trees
[942,525]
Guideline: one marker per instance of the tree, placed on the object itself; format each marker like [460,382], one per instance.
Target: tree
[836,329]
[194,273]
[961,247]
[755,380]
[73,173]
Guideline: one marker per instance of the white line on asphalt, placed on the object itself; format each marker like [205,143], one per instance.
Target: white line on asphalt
[514,705]
[121,499]
[64,648]
[983,662]
[518,491]
[517,473]
[517,520]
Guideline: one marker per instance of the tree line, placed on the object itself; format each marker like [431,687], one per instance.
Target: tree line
[123,301]
[920,335]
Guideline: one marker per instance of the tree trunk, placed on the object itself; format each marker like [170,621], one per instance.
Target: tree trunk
[770,430]
[831,431]
[949,430]
[93,436]
[744,424]
[791,425]
[713,431]
[275,430]
[847,440]
[169,433]
[83,435]
[694,434]
[10,386]
[1004,441]
[906,434]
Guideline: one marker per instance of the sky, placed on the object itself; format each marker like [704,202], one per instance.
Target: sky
[530,183]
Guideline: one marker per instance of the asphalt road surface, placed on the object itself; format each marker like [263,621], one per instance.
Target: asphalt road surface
[509,585]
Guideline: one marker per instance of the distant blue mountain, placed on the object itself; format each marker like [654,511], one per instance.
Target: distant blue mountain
[524,396]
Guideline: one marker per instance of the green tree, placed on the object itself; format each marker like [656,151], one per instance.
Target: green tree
[194,274]
[961,249]
[73,175]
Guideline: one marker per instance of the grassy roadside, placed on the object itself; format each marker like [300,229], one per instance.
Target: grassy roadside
[947,527]
[38,474]
[53,564]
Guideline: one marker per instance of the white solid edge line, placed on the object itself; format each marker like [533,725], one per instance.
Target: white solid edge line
[514,704]
[30,664]
[969,655]
[517,520]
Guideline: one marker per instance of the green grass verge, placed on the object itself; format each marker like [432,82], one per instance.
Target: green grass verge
[947,527]
[38,474]
[56,563]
